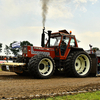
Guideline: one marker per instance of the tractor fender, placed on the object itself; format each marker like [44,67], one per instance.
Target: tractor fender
[75,49]
[94,64]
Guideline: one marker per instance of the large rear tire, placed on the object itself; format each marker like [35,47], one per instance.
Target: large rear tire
[41,66]
[78,64]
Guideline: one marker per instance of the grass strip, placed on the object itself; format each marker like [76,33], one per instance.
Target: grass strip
[80,96]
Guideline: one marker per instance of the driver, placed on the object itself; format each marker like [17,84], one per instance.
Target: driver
[63,43]
[63,47]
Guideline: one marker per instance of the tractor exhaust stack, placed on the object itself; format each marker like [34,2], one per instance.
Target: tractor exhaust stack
[49,33]
[43,38]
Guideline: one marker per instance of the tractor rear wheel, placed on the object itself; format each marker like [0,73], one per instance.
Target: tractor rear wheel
[78,64]
[41,66]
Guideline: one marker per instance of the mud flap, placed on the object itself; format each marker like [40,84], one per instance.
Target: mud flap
[93,71]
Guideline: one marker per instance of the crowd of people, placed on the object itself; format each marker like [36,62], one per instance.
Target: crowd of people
[7,58]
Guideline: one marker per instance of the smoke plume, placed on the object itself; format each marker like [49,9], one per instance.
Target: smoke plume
[44,10]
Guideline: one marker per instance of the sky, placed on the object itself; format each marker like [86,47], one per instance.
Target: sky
[21,20]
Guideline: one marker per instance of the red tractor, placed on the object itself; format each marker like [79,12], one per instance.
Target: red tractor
[60,53]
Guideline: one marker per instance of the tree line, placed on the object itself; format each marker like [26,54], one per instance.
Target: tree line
[15,51]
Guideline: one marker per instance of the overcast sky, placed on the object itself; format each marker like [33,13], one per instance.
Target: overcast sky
[21,20]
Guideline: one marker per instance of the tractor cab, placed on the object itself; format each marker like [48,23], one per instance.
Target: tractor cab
[61,41]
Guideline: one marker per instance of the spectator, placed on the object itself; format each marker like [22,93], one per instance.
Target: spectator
[94,51]
[5,58]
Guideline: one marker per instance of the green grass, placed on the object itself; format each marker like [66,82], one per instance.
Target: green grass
[0,68]
[81,96]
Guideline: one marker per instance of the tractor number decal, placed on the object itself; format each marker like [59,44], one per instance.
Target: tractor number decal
[39,52]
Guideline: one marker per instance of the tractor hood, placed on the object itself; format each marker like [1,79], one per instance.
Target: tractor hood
[30,51]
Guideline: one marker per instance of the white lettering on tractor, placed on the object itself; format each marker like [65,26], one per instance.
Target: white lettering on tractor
[39,52]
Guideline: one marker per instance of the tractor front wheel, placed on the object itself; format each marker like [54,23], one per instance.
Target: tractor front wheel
[41,66]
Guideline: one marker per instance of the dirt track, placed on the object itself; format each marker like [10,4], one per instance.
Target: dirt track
[12,85]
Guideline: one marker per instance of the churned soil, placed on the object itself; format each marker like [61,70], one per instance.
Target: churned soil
[12,85]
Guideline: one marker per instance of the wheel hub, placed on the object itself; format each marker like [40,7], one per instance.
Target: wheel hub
[45,66]
[76,64]
[82,64]
[41,67]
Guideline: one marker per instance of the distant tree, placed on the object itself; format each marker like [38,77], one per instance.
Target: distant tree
[7,50]
[0,47]
[96,48]
[16,51]
[26,43]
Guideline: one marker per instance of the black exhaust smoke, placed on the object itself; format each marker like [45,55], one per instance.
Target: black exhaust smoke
[44,10]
